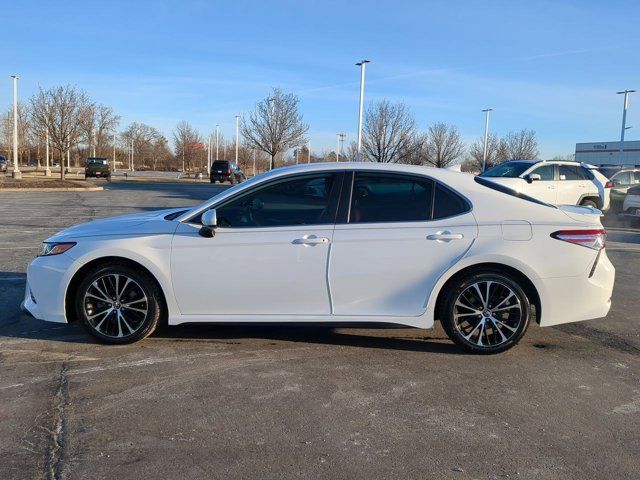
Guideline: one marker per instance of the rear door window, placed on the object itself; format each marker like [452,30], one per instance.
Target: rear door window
[571,172]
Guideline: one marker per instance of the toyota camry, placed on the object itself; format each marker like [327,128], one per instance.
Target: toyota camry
[335,244]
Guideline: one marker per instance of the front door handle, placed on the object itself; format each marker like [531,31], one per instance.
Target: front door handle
[445,236]
[310,240]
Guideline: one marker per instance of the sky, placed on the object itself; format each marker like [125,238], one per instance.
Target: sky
[550,66]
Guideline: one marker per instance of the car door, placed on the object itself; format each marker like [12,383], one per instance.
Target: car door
[545,189]
[400,234]
[268,256]
[573,185]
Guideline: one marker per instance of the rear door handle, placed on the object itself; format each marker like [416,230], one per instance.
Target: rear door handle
[310,240]
[445,236]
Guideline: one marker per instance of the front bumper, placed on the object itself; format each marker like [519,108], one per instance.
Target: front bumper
[44,296]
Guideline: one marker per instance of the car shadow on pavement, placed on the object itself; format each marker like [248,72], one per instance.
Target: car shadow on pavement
[405,339]
[393,338]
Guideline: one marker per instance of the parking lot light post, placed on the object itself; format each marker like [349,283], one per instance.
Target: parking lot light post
[132,167]
[338,148]
[217,142]
[237,136]
[486,137]
[47,170]
[624,121]
[254,162]
[362,64]
[308,152]
[16,170]
[114,153]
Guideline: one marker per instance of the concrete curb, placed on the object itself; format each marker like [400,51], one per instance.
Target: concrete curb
[67,189]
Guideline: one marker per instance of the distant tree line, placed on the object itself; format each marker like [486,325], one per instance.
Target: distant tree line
[79,127]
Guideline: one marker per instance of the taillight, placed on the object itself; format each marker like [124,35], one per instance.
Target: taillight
[609,184]
[594,239]
[229,172]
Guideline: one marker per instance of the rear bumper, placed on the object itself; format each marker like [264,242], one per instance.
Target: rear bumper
[574,299]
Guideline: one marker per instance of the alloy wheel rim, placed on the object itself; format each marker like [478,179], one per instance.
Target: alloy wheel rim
[115,305]
[488,313]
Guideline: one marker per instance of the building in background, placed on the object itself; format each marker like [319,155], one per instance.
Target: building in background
[608,153]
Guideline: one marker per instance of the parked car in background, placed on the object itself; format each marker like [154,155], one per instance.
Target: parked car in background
[631,205]
[3,164]
[224,171]
[623,179]
[97,167]
[341,243]
[554,182]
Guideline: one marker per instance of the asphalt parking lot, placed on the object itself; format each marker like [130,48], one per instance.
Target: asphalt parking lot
[258,402]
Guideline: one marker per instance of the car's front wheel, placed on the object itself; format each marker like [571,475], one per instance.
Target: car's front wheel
[485,312]
[119,304]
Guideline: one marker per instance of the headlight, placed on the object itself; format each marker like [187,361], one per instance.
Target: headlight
[55,248]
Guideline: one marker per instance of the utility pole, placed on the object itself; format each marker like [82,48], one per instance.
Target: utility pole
[486,137]
[624,121]
[47,170]
[341,137]
[362,64]
[16,170]
[237,136]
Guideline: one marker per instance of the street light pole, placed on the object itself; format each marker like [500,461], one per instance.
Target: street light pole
[217,141]
[308,151]
[237,136]
[132,167]
[47,170]
[16,170]
[115,168]
[486,137]
[338,148]
[362,64]
[624,121]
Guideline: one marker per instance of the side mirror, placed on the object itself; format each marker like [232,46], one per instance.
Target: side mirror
[532,177]
[209,223]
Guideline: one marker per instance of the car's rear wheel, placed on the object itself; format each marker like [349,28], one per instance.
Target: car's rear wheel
[485,312]
[589,203]
[119,304]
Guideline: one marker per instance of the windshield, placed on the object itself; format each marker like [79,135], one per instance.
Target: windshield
[96,161]
[508,169]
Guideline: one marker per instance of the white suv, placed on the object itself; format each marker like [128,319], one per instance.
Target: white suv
[555,182]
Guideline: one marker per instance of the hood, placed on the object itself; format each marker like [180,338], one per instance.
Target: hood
[133,224]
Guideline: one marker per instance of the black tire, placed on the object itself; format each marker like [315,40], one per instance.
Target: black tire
[110,328]
[507,325]
[589,203]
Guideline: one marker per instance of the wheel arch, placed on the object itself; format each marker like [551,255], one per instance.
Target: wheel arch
[107,260]
[528,286]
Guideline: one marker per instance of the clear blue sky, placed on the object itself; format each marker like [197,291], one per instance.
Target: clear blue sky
[552,66]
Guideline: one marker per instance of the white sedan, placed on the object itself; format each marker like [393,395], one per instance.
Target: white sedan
[334,244]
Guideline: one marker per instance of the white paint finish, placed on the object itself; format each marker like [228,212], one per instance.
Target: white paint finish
[375,274]
[516,230]
[251,270]
[389,269]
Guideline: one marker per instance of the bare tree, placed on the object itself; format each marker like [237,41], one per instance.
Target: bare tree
[144,138]
[60,110]
[389,132]
[275,125]
[442,145]
[520,145]
[106,122]
[188,146]
[476,150]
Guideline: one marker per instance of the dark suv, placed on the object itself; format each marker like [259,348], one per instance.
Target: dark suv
[223,171]
[97,167]
[3,164]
